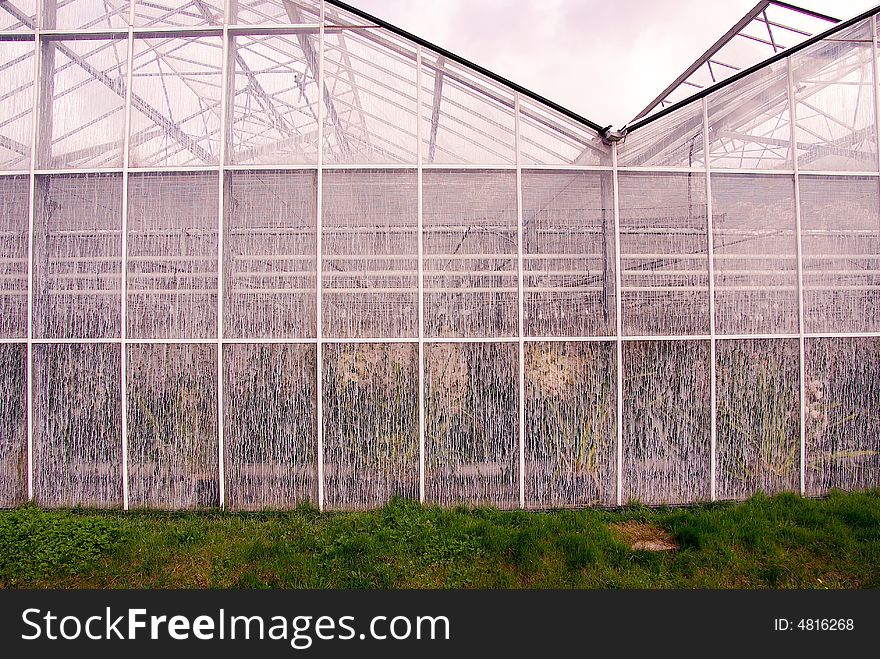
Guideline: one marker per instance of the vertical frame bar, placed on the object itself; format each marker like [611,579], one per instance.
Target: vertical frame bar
[876,87]
[123,314]
[520,309]
[319,266]
[710,251]
[227,83]
[38,49]
[800,273]
[618,321]
[421,266]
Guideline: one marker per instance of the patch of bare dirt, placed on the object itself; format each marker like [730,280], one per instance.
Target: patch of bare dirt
[644,536]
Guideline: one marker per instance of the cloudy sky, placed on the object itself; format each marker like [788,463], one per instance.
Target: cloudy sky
[604,60]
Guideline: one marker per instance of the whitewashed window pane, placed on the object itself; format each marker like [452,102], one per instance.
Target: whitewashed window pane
[470,243]
[568,245]
[14,205]
[175,115]
[466,118]
[663,254]
[77,425]
[172,255]
[471,437]
[78,256]
[270,255]
[842,383]
[371,116]
[758,417]
[269,433]
[571,424]
[756,284]
[840,227]
[82,103]
[370,254]
[371,424]
[13,424]
[275,101]
[16,104]
[666,422]
[172,426]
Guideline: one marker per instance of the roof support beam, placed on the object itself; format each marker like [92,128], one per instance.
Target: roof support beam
[295,16]
[439,74]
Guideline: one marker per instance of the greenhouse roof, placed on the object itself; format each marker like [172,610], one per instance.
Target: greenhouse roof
[379,83]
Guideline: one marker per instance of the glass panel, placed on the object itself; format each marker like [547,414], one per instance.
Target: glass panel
[666,422]
[13,424]
[149,13]
[270,255]
[172,426]
[470,253]
[82,103]
[77,425]
[172,255]
[750,121]
[16,103]
[755,254]
[175,118]
[758,404]
[275,12]
[571,424]
[85,14]
[18,15]
[471,424]
[834,97]
[466,118]
[370,250]
[275,103]
[371,113]
[269,434]
[78,256]
[549,138]
[568,245]
[842,383]
[663,247]
[840,222]
[371,424]
[14,202]
[674,140]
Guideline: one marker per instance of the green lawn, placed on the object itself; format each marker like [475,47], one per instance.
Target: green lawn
[778,542]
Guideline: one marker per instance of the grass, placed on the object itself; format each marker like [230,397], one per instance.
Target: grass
[767,542]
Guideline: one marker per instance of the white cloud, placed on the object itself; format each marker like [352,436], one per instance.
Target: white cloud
[604,60]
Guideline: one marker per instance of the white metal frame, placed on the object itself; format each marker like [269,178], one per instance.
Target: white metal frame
[618,338]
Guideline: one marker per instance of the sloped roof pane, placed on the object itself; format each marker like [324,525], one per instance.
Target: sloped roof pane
[276,12]
[768,28]
[370,104]
[155,13]
[835,97]
[674,140]
[467,118]
[85,14]
[546,137]
[749,121]
[275,100]
[181,79]
[18,15]
[16,103]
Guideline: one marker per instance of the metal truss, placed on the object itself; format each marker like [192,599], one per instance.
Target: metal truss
[767,29]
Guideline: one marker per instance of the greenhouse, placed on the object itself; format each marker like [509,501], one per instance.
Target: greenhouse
[257,253]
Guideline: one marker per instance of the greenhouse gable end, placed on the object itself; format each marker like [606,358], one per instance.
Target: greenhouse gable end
[257,253]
